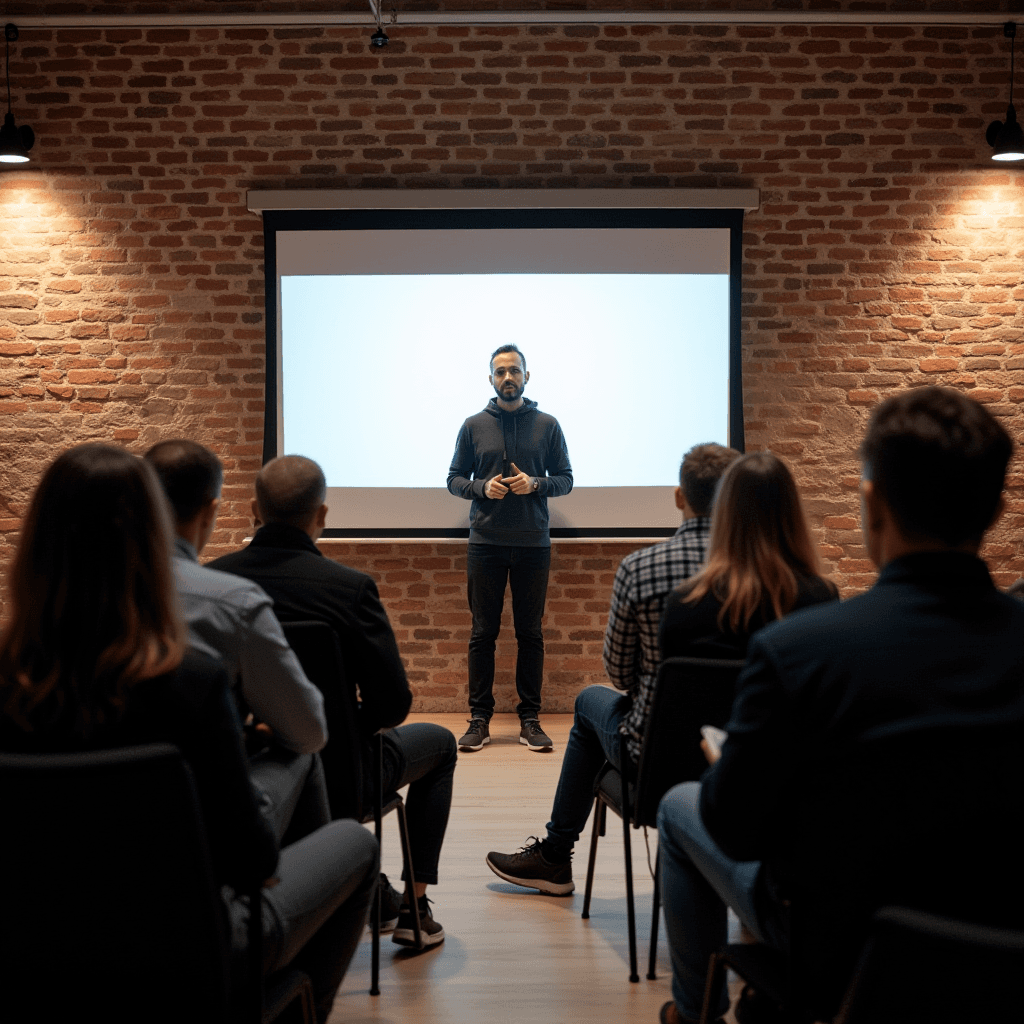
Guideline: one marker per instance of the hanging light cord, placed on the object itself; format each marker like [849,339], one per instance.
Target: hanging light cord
[1013,36]
[7,44]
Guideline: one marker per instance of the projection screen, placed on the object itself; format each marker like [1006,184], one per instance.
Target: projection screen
[381,320]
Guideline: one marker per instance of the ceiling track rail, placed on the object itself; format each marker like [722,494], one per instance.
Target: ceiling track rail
[484,18]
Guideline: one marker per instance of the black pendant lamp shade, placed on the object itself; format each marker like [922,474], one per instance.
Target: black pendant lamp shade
[1006,137]
[15,142]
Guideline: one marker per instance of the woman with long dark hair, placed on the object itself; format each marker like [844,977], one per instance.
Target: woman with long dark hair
[761,565]
[93,657]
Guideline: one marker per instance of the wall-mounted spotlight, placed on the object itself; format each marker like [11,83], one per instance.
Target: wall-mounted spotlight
[15,142]
[380,38]
[1006,137]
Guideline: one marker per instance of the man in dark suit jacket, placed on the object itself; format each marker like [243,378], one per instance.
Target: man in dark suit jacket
[933,649]
[284,560]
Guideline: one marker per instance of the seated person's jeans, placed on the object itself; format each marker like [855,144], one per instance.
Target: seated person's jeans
[698,883]
[314,916]
[593,739]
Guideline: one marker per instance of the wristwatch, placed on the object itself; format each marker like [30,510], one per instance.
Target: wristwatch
[536,483]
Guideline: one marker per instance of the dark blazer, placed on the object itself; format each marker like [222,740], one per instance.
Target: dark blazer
[692,630]
[191,708]
[305,585]
[932,641]
[874,758]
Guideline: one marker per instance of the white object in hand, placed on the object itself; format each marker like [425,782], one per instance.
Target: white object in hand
[714,737]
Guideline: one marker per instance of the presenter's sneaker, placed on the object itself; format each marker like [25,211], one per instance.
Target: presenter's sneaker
[533,736]
[430,930]
[529,869]
[390,904]
[476,736]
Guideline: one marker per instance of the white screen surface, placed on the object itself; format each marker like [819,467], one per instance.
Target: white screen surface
[382,356]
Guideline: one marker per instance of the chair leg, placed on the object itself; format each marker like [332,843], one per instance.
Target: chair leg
[630,909]
[716,966]
[596,832]
[375,943]
[604,817]
[652,957]
[410,877]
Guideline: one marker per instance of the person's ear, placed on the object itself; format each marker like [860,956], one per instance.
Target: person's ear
[680,499]
[257,518]
[321,517]
[210,512]
[526,377]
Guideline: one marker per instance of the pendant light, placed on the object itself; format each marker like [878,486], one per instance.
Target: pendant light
[1006,137]
[15,142]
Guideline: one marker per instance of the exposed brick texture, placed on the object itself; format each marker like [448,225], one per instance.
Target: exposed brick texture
[886,253]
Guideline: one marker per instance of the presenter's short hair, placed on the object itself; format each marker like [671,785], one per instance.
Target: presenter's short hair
[938,459]
[701,469]
[289,490]
[191,475]
[502,349]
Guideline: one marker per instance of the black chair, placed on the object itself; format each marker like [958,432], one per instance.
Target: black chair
[110,909]
[921,967]
[688,693]
[925,820]
[318,649]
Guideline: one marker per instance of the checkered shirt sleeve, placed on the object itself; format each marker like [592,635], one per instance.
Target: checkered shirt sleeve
[642,583]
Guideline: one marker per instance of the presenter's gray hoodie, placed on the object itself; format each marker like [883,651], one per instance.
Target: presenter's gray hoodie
[487,445]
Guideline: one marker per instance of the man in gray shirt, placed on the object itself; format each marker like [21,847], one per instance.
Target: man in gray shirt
[233,619]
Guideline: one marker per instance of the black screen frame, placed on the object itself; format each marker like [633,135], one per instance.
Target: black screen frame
[487,219]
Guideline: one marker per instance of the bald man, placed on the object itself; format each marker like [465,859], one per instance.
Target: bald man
[290,509]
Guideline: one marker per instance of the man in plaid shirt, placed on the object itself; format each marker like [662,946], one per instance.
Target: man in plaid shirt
[643,582]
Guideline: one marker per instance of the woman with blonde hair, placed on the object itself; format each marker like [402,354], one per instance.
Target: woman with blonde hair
[761,565]
[93,657]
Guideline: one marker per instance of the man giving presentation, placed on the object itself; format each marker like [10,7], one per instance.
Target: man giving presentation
[509,459]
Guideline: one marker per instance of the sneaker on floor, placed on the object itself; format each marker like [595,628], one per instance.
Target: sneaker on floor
[529,869]
[476,736]
[390,904]
[534,736]
[430,930]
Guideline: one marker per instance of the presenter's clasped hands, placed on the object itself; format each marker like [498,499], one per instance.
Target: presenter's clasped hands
[521,483]
[498,486]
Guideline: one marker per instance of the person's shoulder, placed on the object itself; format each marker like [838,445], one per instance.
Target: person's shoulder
[197,676]
[218,584]
[815,590]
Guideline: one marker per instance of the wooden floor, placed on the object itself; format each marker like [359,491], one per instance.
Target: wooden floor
[512,955]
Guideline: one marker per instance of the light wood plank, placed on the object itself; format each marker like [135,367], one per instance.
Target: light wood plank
[512,955]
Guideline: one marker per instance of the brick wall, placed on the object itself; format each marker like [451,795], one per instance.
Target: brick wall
[887,251]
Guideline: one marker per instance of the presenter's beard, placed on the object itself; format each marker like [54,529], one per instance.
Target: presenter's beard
[509,392]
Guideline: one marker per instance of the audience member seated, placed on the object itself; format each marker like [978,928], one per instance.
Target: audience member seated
[233,619]
[642,584]
[933,642]
[284,560]
[94,657]
[762,564]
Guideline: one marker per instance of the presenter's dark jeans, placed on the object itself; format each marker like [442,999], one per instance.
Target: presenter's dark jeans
[489,568]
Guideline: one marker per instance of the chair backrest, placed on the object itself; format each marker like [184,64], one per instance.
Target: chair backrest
[919,966]
[924,819]
[318,649]
[110,911]
[689,693]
